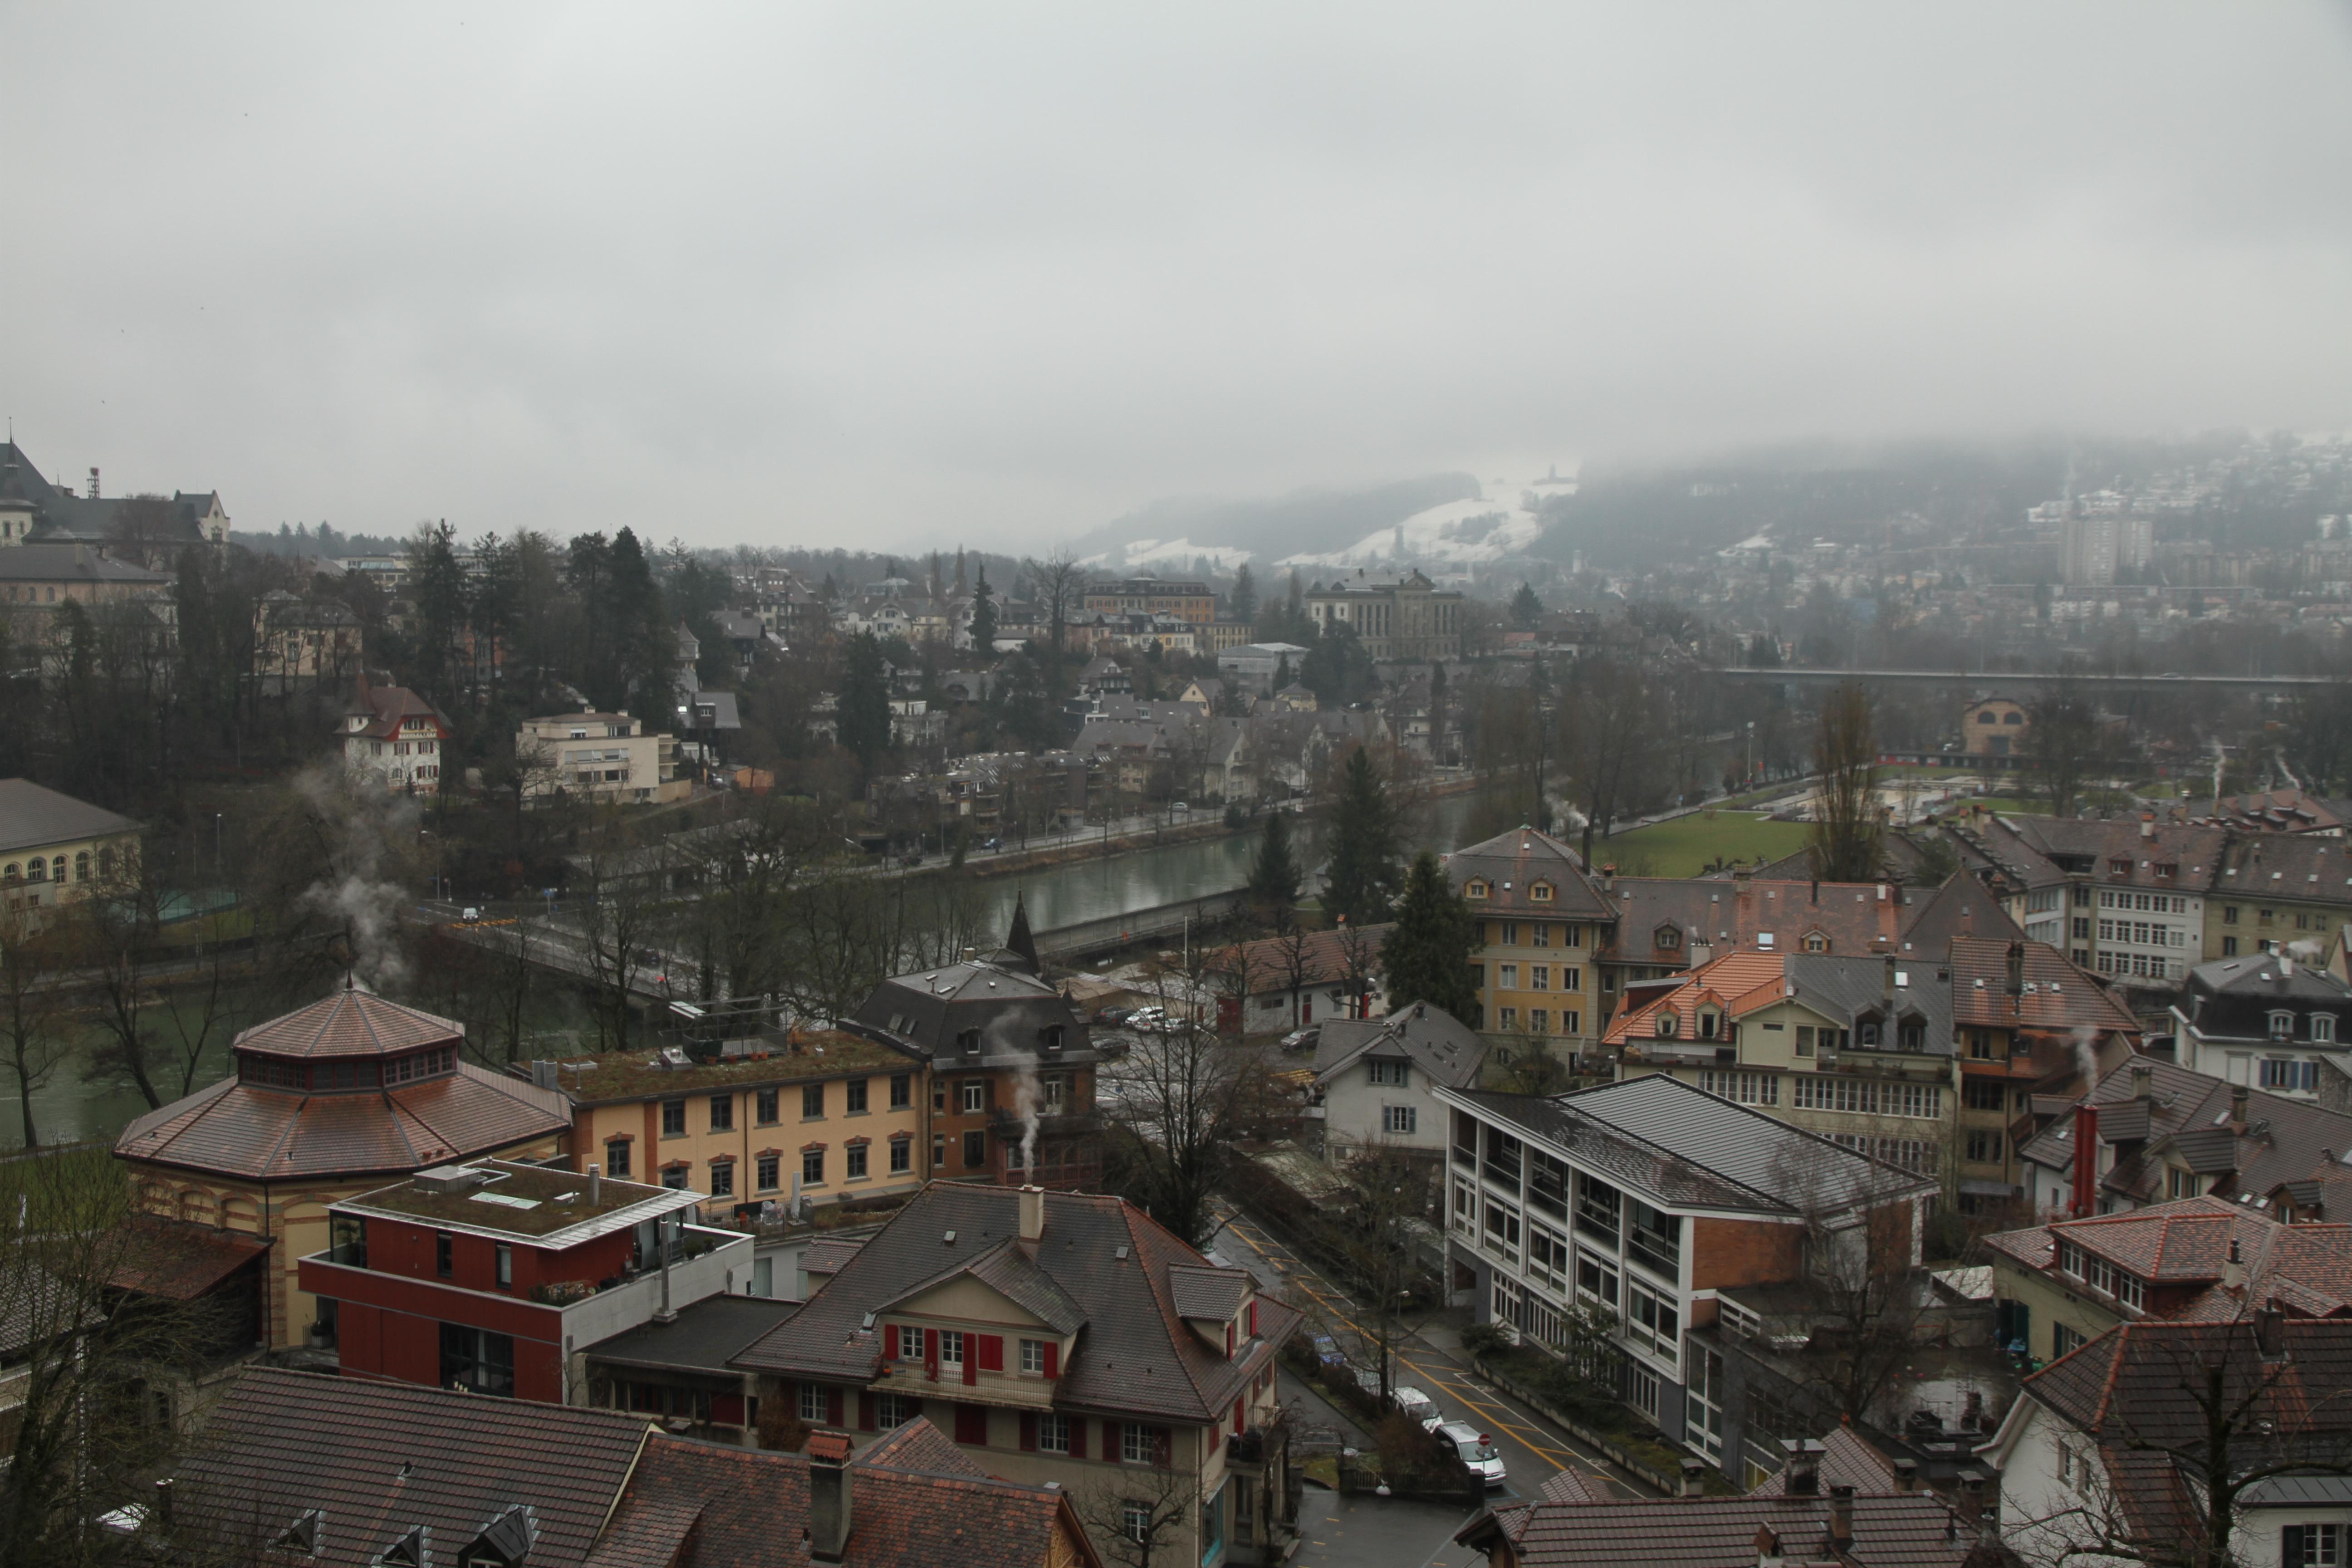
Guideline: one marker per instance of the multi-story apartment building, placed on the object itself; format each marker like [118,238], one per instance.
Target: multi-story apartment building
[822,1114]
[55,849]
[2104,548]
[2122,899]
[1648,1197]
[1375,1080]
[1193,604]
[1542,924]
[393,738]
[1011,1069]
[2030,1026]
[1859,1050]
[497,1276]
[1396,617]
[2276,889]
[597,756]
[324,1103]
[1057,1337]
[2062,1284]
[2267,1021]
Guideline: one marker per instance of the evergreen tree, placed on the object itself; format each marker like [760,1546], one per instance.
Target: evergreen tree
[1245,595]
[1274,874]
[1361,878]
[1282,672]
[983,618]
[862,715]
[440,593]
[1427,956]
[1526,608]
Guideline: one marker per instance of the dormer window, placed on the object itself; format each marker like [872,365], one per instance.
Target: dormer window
[1476,889]
[1667,1025]
[1708,1024]
[1540,893]
[2281,1026]
[1668,939]
[2323,1028]
[1816,943]
[2119,866]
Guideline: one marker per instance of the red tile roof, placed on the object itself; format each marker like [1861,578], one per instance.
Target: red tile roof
[2055,995]
[1738,982]
[349,1023]
[178,1260]
[248,1130]
[1322,958]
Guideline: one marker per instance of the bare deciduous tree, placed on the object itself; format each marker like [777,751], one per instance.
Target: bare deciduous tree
[1845,832]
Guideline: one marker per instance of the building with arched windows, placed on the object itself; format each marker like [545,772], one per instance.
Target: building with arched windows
[55,849]
[326,1103]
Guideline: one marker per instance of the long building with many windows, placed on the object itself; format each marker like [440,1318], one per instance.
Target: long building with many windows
[1646,1198]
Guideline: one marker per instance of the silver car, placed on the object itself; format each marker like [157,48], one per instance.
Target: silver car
[1477,1450]
[1417,1408]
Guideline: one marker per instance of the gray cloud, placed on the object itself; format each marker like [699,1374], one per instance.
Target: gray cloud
[900,275]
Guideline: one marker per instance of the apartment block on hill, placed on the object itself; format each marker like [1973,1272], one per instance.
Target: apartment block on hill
[608,757]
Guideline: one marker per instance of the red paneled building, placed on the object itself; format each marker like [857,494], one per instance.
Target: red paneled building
[498,1276]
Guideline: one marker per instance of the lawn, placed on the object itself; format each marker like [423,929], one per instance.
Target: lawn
[1686,846]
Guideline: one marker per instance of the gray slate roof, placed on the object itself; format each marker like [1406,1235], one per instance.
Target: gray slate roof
[31,814]
[706,1335]
[1431,1038]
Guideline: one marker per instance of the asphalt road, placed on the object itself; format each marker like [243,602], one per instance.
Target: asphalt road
[1533,1452]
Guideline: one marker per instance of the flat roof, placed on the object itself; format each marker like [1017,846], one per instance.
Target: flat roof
[810,1054]
[533,1202]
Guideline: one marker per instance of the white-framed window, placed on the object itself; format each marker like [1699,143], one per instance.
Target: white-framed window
[1033,1357]
[1746,1087]
[951,1347]
[2311,1546]
[1503,1229]
[1596,1278]
[1139,1444]
[1400,1119]
[2323,1028]
[1641,1390]
[1652,1320]
[2281,1026]
[1465,1207]
[892,1411]
[2290,1075]
[813,1403]
[1392,1073]
[1135,1521]
[1053,1433]
[1506,975]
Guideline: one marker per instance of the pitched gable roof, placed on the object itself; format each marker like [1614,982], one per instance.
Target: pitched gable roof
[1442,1047]
[1511,864]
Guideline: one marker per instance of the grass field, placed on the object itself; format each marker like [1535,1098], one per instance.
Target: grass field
[1687,846]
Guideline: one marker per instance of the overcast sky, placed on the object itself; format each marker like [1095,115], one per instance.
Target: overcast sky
[900,275]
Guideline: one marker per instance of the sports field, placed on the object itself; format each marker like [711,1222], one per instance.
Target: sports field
[1688,845]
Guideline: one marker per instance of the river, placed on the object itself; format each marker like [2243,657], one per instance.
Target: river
[69,1107]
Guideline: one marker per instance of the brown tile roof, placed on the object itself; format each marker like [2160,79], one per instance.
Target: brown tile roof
[1738,982]
[2195,853]
[349,1023]
[386,706]
[1853,917]
[2287,865]
[2056,995]
[1322,957]
[381,1458]
[1847,1460]
[1134,1355]
[2137,1385]
[180,1260]
[244,1130]
[1512,863]
[1912,1529]
[913,1500]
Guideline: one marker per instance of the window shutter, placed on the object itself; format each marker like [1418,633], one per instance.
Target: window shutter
[1253,1317]
[2291,1547]
[1053,1359]
[931,1355]
[971,1359]
[1229,1342]
[1111,1447]
[1077,1437]
[864,1411]
[1241,1417]
[1216,1434]
[889,1341]
[1028,1431]
[835,1401]
[991,1353]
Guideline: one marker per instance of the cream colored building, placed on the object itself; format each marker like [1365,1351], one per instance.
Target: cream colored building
[55,849]
[1396,617]
[601,756]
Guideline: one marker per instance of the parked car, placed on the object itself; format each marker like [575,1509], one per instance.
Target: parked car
[1416,1405]
[1301,1039]
[1329,1354]
[1179,806]
[1114,1014]
[1476,1449]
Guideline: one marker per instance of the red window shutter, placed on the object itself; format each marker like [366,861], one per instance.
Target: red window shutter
[991,1353]
[1077,1437]
[1028,1431]
[864,1411]
[1241,1417]
[889,1341]
[931,1355]
[971,1361]
[835,1400]
[1229,1342]
[1216,1436]
[1053,1359]
[972,1424]
[1253,1317]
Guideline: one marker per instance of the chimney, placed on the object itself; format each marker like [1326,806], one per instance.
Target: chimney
[2270,1332]
[2017,969]
[1608,877]
[1693,1478]
[1841,1516]
[595,1179]
[1907,1474]
[2148,825]
[1886,987]
[1032,1213]
[1972,1496]
[2086,1160]
[2142,1081]
[828,1527]
[542,1075]
[1767,1547]
[2238,1108]
[1804,1467]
